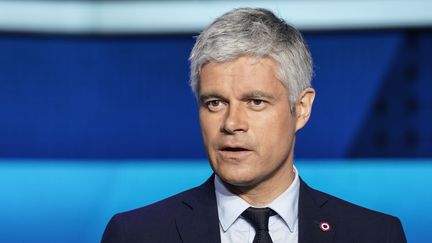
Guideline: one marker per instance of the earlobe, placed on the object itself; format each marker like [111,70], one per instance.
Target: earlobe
[304,107]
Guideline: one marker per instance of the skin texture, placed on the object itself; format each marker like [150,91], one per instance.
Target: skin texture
[248,128]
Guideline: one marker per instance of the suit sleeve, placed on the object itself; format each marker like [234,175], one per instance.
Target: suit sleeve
[397,234]
[113,232]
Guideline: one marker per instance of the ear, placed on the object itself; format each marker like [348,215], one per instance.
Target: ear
[304,107]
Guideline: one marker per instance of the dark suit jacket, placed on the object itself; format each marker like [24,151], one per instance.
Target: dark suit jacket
[191,217]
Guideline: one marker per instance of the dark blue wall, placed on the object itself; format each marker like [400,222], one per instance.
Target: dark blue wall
[128,97]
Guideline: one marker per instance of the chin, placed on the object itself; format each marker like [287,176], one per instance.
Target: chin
[235,172]
[237,179]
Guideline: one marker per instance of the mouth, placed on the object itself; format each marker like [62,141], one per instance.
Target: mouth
[234,149]
[234,152]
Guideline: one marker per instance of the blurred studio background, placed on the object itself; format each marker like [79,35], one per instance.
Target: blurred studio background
[96,115]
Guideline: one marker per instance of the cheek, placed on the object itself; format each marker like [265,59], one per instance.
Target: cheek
[204,131]
[209,128]
[275,131]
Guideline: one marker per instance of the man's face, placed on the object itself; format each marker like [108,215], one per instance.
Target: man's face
[246,121]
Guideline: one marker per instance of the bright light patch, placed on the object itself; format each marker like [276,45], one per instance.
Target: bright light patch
[193,16]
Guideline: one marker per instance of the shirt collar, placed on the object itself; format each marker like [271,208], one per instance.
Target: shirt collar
[286,205]
[231,206]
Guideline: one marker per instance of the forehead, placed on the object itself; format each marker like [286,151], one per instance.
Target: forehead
[240,74]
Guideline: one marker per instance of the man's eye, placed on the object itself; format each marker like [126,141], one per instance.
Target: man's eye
[214,105]
[257,102]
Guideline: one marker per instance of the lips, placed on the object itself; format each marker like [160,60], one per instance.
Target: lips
[234,151]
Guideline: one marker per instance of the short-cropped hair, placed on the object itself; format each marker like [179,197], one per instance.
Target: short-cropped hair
[259,33]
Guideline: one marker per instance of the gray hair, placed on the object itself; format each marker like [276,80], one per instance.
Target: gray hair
[255,32]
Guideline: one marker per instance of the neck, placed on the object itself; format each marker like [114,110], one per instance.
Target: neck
[266,191]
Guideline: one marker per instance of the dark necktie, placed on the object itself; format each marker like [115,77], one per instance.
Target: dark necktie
[259,218]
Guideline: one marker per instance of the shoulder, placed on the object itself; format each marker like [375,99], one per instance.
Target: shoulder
[168,207]
[161,210]
[349,212]
[158,220]
[345,210]
[357,222]
[365,224]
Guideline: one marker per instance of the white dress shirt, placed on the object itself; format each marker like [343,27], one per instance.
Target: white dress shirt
[283,227]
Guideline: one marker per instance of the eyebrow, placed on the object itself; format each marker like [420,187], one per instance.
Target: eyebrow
[204,97]
[258,95]
[247,96]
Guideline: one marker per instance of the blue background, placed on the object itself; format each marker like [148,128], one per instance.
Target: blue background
[92,125]
[128,97]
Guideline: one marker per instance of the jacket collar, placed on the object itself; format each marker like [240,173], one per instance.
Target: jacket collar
[197,218]
[313,217]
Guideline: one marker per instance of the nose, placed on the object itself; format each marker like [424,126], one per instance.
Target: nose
[235,120]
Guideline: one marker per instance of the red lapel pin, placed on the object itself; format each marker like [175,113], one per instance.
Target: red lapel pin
[324,226]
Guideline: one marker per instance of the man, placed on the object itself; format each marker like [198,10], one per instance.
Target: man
[251,73]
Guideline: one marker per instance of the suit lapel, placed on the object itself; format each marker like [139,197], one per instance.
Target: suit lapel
[197,218]
[312,215]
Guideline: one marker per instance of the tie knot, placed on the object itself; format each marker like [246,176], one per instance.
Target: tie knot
[258,217]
